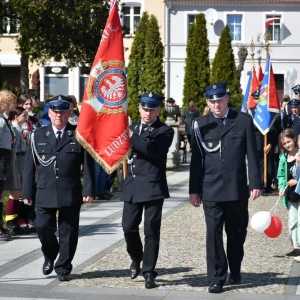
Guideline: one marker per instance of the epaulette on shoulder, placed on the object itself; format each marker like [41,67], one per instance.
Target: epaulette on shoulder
[39,129]
[200,118]
[244,114]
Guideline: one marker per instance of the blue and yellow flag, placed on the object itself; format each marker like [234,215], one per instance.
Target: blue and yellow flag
[268,104]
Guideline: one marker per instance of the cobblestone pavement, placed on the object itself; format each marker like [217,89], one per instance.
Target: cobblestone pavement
[182,261]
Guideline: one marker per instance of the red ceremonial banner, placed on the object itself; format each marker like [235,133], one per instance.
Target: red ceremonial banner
[254,86]
[103,121]
[260,75]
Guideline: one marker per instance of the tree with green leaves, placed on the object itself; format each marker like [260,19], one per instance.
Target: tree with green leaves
[136,66]
[153,77]
[197,68]
[224,68]
[145,69]
[56,30]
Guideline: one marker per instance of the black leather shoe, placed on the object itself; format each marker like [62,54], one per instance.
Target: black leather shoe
[63,277]
[135,269]
[149,281]
[235,279]
[215,288]
[47,267]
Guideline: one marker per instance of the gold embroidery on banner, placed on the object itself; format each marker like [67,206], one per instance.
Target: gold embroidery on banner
[110,111]
[89,88]
[112,63]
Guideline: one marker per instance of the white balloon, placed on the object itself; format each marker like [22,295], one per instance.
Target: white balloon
[261,221]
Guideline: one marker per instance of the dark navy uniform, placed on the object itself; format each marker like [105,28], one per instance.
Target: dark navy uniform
[218,173]
[145,188]
[55,169]
[291,121]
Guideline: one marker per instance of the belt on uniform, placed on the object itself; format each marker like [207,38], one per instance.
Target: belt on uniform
[21,153]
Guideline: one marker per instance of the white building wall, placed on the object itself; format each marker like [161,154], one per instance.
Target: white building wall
[284,55]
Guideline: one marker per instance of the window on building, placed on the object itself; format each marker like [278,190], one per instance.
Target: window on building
[191,20]
[235,25]
[9,22]
[11,75]
[273,23]
[131,17]
[84,76]
[56,81]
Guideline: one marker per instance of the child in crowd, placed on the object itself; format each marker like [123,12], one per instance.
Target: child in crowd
[287,185]
[296,205]
[8,102]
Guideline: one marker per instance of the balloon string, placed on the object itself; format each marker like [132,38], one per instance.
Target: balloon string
[276,203]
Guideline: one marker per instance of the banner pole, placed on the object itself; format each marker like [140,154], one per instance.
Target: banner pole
[125,168]
[267,38]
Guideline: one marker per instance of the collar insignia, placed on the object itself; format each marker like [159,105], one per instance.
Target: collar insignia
[47,134]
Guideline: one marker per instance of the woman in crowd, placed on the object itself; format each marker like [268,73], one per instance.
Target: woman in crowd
[15,169]
[7,103]
[74,108]
[32,122]
[191,112]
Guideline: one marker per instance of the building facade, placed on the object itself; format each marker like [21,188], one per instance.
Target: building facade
[247,21]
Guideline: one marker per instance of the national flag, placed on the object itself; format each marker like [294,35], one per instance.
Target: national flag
[268,104]
[260,75]
[103,121]
[270,21]
[252,86]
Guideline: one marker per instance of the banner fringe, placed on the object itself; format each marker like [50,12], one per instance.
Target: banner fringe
[108,169]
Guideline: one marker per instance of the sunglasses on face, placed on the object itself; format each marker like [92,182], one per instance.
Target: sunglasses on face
[297,93]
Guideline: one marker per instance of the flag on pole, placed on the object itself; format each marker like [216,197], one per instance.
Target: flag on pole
[103,121]
[252,86]
[268,104]
[260,75]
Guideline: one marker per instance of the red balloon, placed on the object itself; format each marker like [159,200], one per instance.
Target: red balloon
[275,228]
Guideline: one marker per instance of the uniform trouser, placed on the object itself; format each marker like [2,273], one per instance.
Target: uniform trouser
[132,217]
[68,226]
[234,215]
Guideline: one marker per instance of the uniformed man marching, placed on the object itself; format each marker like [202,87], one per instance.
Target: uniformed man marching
[53,163]
[145,186]
[292,120]
[218,179]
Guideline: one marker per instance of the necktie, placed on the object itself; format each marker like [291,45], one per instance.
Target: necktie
[144,126]
[221,121]
[58,136]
